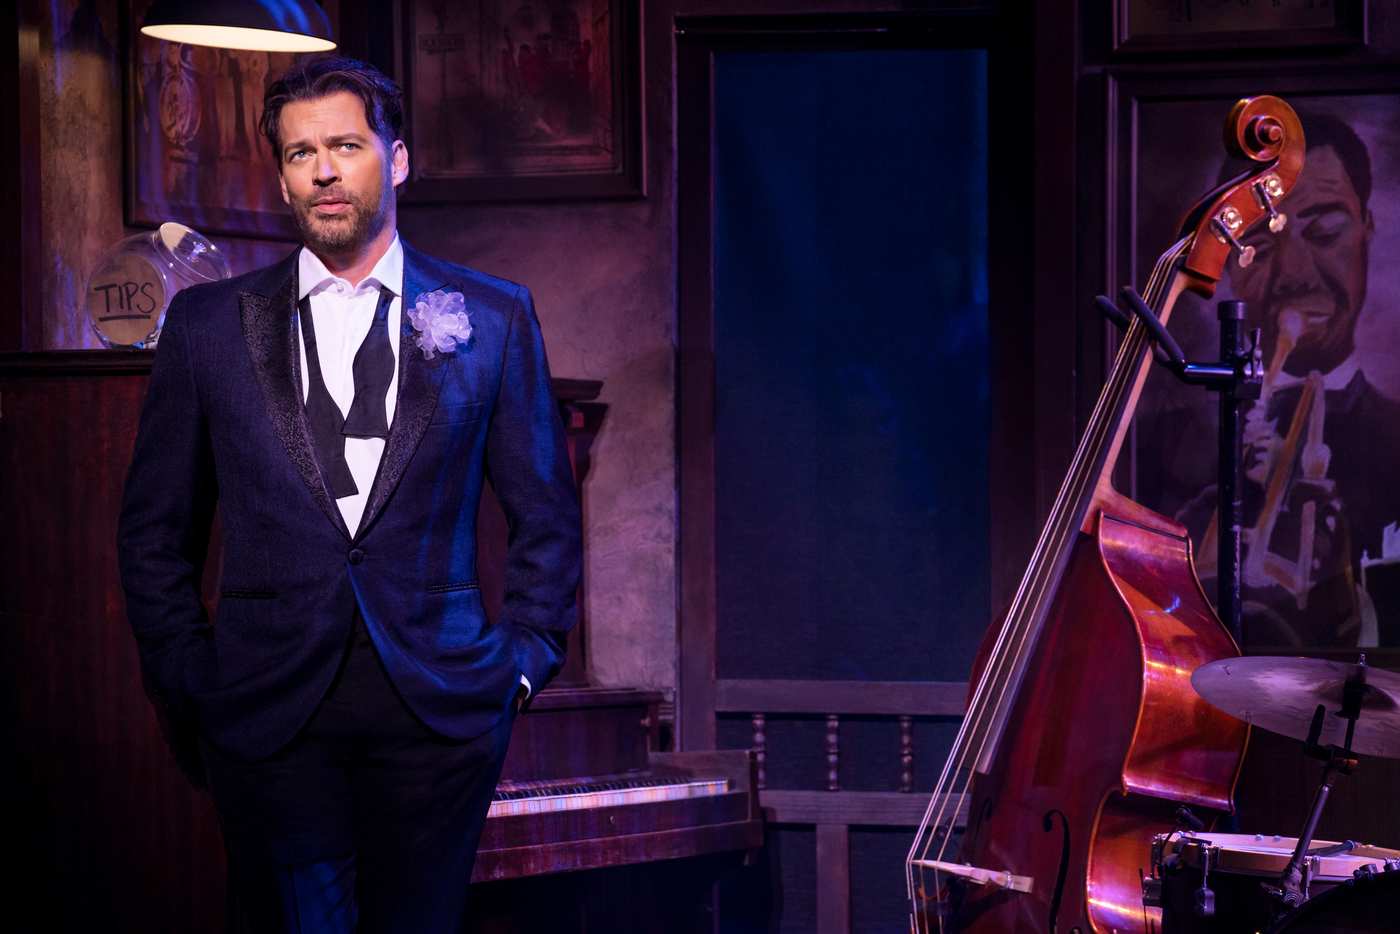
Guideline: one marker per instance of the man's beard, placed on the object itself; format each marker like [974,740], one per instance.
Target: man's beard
[344,232]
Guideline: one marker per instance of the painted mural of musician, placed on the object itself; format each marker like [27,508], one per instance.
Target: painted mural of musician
[1322,444]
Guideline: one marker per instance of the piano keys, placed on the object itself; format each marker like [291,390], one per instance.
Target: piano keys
[640,805]
[516,798]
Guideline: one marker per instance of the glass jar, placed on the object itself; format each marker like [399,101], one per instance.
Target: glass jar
[132,286]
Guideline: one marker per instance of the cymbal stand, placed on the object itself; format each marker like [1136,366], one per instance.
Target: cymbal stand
[1292,889]
[1237,376]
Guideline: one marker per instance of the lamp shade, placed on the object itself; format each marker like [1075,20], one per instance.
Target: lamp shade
[257,25]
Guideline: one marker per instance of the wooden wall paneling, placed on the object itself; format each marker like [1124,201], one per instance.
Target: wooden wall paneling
[1056,394]
[852,808]
[695,393]
[1096,272]
[676,897]
[854,698]
[834,873]
[367,31]
[1018,178]
[1112,26]
[99,792]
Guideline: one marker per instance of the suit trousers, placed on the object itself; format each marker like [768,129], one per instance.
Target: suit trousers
[366,822]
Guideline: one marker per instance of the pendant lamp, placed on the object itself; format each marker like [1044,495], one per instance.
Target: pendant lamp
[255,25]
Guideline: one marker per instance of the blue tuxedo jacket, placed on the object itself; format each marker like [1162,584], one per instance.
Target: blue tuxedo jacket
[223,424]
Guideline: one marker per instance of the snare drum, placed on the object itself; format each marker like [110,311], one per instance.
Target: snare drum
[1233,866]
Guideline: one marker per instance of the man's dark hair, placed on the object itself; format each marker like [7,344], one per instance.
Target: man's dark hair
[1324,129]
[318,77]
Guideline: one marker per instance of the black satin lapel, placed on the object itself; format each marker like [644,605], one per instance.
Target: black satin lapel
[269,328]
[420,380]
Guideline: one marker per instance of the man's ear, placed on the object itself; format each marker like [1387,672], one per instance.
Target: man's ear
[399,161]
[282,183]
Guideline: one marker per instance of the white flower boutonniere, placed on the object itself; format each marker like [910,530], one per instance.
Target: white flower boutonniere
[440,318]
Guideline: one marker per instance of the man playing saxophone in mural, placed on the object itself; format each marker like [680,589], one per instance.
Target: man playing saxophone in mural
[1322,444]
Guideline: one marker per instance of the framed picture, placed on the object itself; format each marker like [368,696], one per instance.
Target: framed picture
[522,99]
[1321,551]
[1174,25]
[193,151]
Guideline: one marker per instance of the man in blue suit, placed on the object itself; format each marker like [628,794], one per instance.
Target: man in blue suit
[342,409]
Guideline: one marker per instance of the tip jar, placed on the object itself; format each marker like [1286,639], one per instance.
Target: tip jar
[131,288]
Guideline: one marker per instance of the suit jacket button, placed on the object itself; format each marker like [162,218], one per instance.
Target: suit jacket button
[356,555]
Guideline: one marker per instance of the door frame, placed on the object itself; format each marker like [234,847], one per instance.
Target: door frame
[1016,338]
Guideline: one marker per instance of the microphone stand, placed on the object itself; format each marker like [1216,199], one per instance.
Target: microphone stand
[1237,376]
[1246,379]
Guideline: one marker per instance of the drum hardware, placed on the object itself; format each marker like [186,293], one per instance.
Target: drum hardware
[1186,819]
[1186,822]
[1275,694]
[1152,885]
[1236,868]
[1346,846]
[1292,889]
[1204,906]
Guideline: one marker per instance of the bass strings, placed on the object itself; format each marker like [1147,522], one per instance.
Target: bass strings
[1019,626]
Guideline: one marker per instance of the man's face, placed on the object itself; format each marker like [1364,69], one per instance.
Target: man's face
[1310,280]
[336,173]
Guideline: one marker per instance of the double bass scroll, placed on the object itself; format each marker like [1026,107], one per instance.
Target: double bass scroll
[1083,736]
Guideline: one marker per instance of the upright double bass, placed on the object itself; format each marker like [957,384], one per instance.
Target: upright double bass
[1083,737]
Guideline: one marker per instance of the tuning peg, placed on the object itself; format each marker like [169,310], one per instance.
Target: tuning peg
[1225,224]
[1269,190]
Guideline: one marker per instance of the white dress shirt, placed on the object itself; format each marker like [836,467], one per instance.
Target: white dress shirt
[342,314]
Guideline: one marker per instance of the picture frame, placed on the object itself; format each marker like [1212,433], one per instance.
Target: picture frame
[192,149]
[521,101]
[1182,25]
[193,153]
[1327,580]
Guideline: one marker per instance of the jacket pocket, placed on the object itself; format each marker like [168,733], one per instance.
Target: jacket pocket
[456,413]
[455,585]
[235,593]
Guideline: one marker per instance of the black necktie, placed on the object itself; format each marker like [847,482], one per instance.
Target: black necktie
[373,371]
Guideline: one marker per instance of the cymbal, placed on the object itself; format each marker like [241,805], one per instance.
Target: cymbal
[1279,694]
